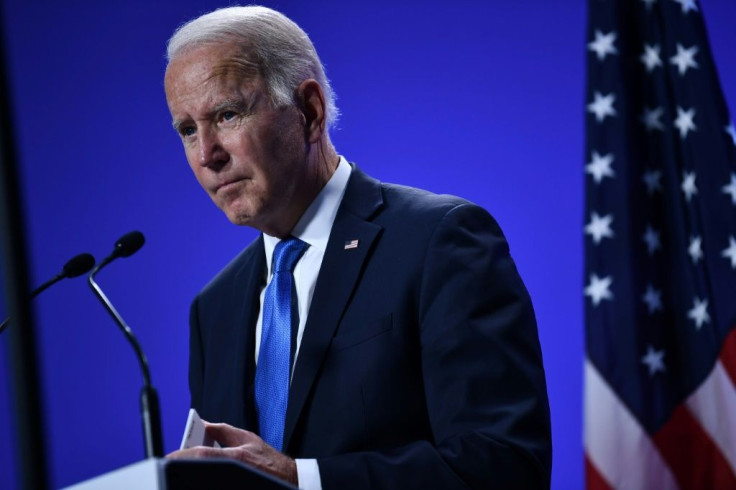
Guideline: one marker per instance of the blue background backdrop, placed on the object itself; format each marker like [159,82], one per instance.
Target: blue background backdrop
[479,99]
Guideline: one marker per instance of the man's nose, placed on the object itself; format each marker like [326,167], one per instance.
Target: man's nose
[211,153]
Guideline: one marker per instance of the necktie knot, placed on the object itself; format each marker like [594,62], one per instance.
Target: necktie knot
[287,254]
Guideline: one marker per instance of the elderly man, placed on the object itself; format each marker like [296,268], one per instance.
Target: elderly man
[378,334]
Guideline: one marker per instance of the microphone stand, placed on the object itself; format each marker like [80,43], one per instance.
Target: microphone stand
[65,273]
[150,413]
[35,293]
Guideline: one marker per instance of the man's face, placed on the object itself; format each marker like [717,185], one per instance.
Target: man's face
[249,156]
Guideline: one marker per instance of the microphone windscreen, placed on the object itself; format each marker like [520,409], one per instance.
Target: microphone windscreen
[129,244]
[78,265]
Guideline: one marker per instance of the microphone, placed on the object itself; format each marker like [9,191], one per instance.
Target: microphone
[126,246]
[76,266]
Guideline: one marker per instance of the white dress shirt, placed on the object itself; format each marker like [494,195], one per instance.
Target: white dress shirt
[313,228]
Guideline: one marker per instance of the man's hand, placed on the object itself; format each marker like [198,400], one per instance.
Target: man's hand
[245,447]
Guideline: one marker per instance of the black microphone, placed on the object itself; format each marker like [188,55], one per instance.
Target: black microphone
[76,266]
[126,246]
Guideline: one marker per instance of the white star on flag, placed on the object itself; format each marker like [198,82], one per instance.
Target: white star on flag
[603,44]
[600,167]
[653,360]
[653,298]
[598,289]
[684,121]
[650,118]
[688,185]
[650,57]
[699,312]
[731,189]
[599,227]
[695,249]
[651,238]
[687,5]
[652,180]
[731,132]
[730,252]
[602,106]
[685,58]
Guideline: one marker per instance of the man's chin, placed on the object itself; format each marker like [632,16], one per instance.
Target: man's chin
[240,219]
[237,213]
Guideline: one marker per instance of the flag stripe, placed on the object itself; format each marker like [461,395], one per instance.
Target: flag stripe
[728,355]
[593,479]
[694,459]
[616,443]
[712,405]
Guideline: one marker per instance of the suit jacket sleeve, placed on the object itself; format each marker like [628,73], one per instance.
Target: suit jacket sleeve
[196,360]
[482,372]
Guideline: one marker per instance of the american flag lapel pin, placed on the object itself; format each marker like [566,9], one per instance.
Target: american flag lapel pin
[351,244]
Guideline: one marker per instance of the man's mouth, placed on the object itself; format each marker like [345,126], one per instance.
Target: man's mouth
[228,184]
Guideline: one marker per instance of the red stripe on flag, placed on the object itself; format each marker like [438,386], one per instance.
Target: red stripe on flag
[691,455]
[728,355]
[593,479]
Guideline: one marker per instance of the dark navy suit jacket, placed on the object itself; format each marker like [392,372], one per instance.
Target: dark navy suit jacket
[420,365]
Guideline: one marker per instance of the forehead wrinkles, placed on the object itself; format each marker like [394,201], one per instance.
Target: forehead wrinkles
[202,82]
[236,67]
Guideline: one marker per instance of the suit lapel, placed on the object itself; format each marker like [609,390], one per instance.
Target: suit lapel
[247,300]
[337,278]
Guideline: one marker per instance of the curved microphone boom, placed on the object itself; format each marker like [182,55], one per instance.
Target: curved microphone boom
[126,246]
[76,266]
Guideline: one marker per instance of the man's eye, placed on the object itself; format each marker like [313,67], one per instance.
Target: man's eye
[187,131]
[227,115]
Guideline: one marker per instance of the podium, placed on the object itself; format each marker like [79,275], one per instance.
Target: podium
[178,474]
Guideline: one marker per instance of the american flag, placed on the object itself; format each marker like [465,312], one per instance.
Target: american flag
[660,245]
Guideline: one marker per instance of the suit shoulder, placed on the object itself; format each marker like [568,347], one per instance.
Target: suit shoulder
[420,199]
[426,206]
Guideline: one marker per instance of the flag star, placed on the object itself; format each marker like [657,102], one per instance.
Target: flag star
[653,298]
[649,3]
[685,58]
[603,44]
[650,118]
[602,106]
[599,227]
[651,238]
[598,289]
[654,360]
[731,132]
[695,249]
[687,5]
[650,57]
[652,180]
[730,252]
[600,167]
[684,121]
[731,189]
[688,185]
[699,312]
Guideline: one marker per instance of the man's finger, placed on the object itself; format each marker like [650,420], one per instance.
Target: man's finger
[198,452]
[229,436]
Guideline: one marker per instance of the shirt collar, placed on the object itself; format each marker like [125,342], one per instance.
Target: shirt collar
[316,223]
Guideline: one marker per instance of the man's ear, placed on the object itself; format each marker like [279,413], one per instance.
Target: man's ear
[311,102]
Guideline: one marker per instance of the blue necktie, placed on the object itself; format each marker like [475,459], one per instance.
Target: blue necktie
[274,358]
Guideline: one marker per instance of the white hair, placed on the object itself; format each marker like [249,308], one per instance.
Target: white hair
[282,50]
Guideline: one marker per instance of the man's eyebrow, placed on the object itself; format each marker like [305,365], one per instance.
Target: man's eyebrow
[237,104]
[177,124]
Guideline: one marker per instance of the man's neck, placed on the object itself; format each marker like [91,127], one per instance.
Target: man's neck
[321,167]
